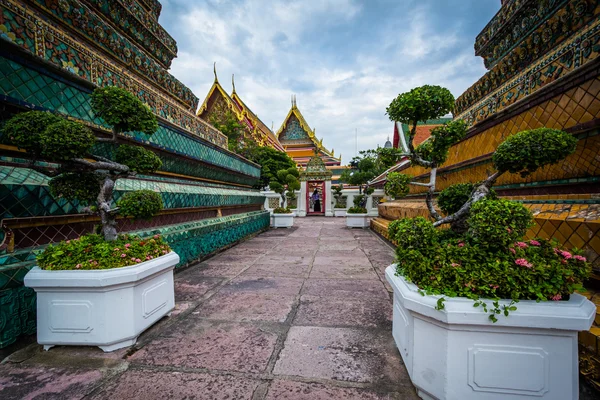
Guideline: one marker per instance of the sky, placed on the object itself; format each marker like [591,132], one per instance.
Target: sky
[345,60]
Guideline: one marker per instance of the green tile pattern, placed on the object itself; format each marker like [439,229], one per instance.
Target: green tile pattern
[27,85]
[17,314]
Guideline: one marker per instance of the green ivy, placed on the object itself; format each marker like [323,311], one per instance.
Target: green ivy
[123,111]
[138,159]
[93,252]
[76,186]
[140,204]
[525,152]
[396,185]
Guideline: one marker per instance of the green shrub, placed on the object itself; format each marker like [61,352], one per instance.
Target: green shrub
[454,197]
[65,140]
[420,104]
[140,204]
[282,210]
[412,233]
[24,129]
[498,223]
[123,111]
[76,186]
[93,252]
[137,158]
[397,185]
[356,210]
[526,151]
[339,205]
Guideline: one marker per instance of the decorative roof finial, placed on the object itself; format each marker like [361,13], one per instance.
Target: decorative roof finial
[215,71]
[233,82]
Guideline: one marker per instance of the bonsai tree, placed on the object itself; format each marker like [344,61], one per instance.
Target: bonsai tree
[83,174]
[286,183]
[337,195]
[484,254]
[271,161]
[363,169]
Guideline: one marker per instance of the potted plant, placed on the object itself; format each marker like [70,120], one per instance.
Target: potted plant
[357,217]
[100,289]
[363,168]
[339,209]
[480,312]
[285,182]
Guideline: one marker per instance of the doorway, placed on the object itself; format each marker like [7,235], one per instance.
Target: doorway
[315,198]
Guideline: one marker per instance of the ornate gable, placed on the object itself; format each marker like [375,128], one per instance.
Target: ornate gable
[294,131]
[316,170]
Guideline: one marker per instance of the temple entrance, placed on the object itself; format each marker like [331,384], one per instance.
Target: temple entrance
[315,198]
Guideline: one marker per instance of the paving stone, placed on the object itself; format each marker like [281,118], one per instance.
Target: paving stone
[284,259]
[337,246]
[43,382]
[341,271]
[197,343]
[257,284]
[155,385]
[277,270]
[225,258]
[291,390]
[345,288]
[359,261]
[191,287]
[245,306]
[320,311]
[345,354]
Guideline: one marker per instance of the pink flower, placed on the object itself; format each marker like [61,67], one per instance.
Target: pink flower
[522,245]
[580,258]
[128,245]
[116,249]
[156,236]
[78,266]
[123,255]
[132,258]
[494,287]
[151,257]
[523,263]
[455,265]
[432,278]
[565,254]
[164,252]
[68,241]
[508,230]
[147,257]
[534,243]
[460,244]
[556,297]
[137,260]
[512,250]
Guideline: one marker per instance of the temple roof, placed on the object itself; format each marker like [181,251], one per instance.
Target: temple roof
[299,140]
[258,129]
[424,129]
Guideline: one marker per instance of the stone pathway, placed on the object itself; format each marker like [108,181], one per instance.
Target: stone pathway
[299,313]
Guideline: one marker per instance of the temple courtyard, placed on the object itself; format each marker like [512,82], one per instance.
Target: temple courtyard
[300,313]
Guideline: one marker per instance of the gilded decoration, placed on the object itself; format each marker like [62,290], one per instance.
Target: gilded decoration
[494,92]
[37,36]
[315,170]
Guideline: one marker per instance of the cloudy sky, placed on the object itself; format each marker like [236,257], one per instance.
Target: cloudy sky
[345,60]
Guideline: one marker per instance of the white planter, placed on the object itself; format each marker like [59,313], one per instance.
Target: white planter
[459,354]
[357,220]
[339,212]
[105,308]
[283,220]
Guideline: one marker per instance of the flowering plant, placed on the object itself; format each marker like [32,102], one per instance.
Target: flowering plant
[93,252]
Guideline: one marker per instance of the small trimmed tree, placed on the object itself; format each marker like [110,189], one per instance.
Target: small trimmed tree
[286,183]
[522,153]
[363,169]
[337,195]
[82,175]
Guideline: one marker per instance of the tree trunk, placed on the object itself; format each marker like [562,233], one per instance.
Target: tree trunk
[108,219]
[283,199]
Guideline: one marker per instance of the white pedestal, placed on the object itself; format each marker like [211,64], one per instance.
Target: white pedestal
[357,220]
[283,220]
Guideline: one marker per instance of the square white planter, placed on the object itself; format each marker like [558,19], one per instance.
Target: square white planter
[283,220]
[106,308]
[339,212]
[357,220]
[458,354]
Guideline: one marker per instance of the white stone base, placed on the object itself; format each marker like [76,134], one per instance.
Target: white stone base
[458,354]
[283,220]
[357,220]
[105,308]
[339,212]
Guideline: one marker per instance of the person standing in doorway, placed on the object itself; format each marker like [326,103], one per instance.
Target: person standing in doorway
[316,200]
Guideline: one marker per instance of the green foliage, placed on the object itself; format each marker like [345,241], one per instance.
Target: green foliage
[282,210]
[397,185]
[356,210]
[527,151]
[140,204]
[76,186]
[229,125]
[123,111]
[387,157]
[363,169]
[24,129]
[420,104]
[497,223]
[436,148]
[286,180]
[413,233]
[138,159]
[271,161]
[93,252]
[337,195]
[455,196]
[66,140]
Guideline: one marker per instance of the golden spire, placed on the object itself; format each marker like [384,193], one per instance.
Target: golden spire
[233,83]
[215,71]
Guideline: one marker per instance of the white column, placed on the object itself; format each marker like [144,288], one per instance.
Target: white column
[302,200]
[328,197]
